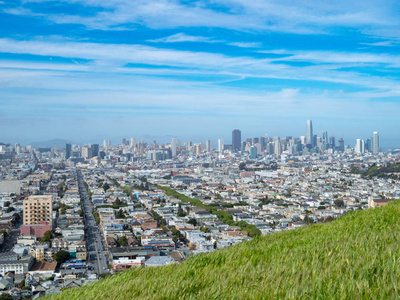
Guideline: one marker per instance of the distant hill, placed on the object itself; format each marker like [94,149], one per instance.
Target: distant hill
[354,257]
[50,143]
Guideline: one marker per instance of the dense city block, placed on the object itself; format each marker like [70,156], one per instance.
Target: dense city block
[73,215]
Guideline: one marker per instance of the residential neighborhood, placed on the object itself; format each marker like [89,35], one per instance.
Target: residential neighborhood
[69,222]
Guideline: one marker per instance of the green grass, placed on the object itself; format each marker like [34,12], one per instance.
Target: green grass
[354,257]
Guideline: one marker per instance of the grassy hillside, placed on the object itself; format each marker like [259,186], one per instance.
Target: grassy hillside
[355,257]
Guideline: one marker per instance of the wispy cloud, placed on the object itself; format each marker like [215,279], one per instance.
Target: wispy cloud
[382,44]
[246,44]
[181,37]
[283,16]
[336,57]
[329,66]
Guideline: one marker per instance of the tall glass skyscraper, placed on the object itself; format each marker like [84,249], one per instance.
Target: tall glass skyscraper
[324,140]
[67,150]
[309,135]
[375,142]
[236,139]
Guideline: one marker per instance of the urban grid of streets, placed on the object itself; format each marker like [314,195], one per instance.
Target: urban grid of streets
[95,244]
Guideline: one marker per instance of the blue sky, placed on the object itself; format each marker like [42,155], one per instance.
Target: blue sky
[88,70]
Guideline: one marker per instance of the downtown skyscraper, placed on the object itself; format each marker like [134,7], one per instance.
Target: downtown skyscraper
[310,134]
[236,139]
[68,149]
[375,143]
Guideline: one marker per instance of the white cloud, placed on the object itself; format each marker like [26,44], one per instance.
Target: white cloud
[329,66]
[246,44]
[274,15]
[181,37]
[123,53]
[336,57]
[381,44]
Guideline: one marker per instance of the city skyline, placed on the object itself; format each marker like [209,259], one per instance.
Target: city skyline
[88,70]
[325,140]
[264,145]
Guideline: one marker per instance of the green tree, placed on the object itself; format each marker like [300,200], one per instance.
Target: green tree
[61,256]
[6,297]
[205,229]
[22,283]
[48,235]
[106,187]
[308,220]
[181,213]
[17,217]
[339,203]
[122,241]
[242,166]
[120,214]
[193,222]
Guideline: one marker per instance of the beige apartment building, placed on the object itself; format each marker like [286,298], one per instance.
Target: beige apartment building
[38,209]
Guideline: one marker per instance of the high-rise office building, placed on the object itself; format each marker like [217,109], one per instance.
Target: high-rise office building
[360,146]
[86,152]
[324,140]
[38,209]
[220,146]
[198,148]
[208,146]
[243,146]
[332,142]
[319,143]
[375,142]
[277,147]
[263,141]
[253,152]
[310,134]
[341,144]
[236,139]
[173,147]
[368,145]
[104,144]
[95,150]
[18,148]
[188,146]
[133,143]
[68,150]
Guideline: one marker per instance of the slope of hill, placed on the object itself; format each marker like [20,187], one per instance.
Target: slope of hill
[354,257]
